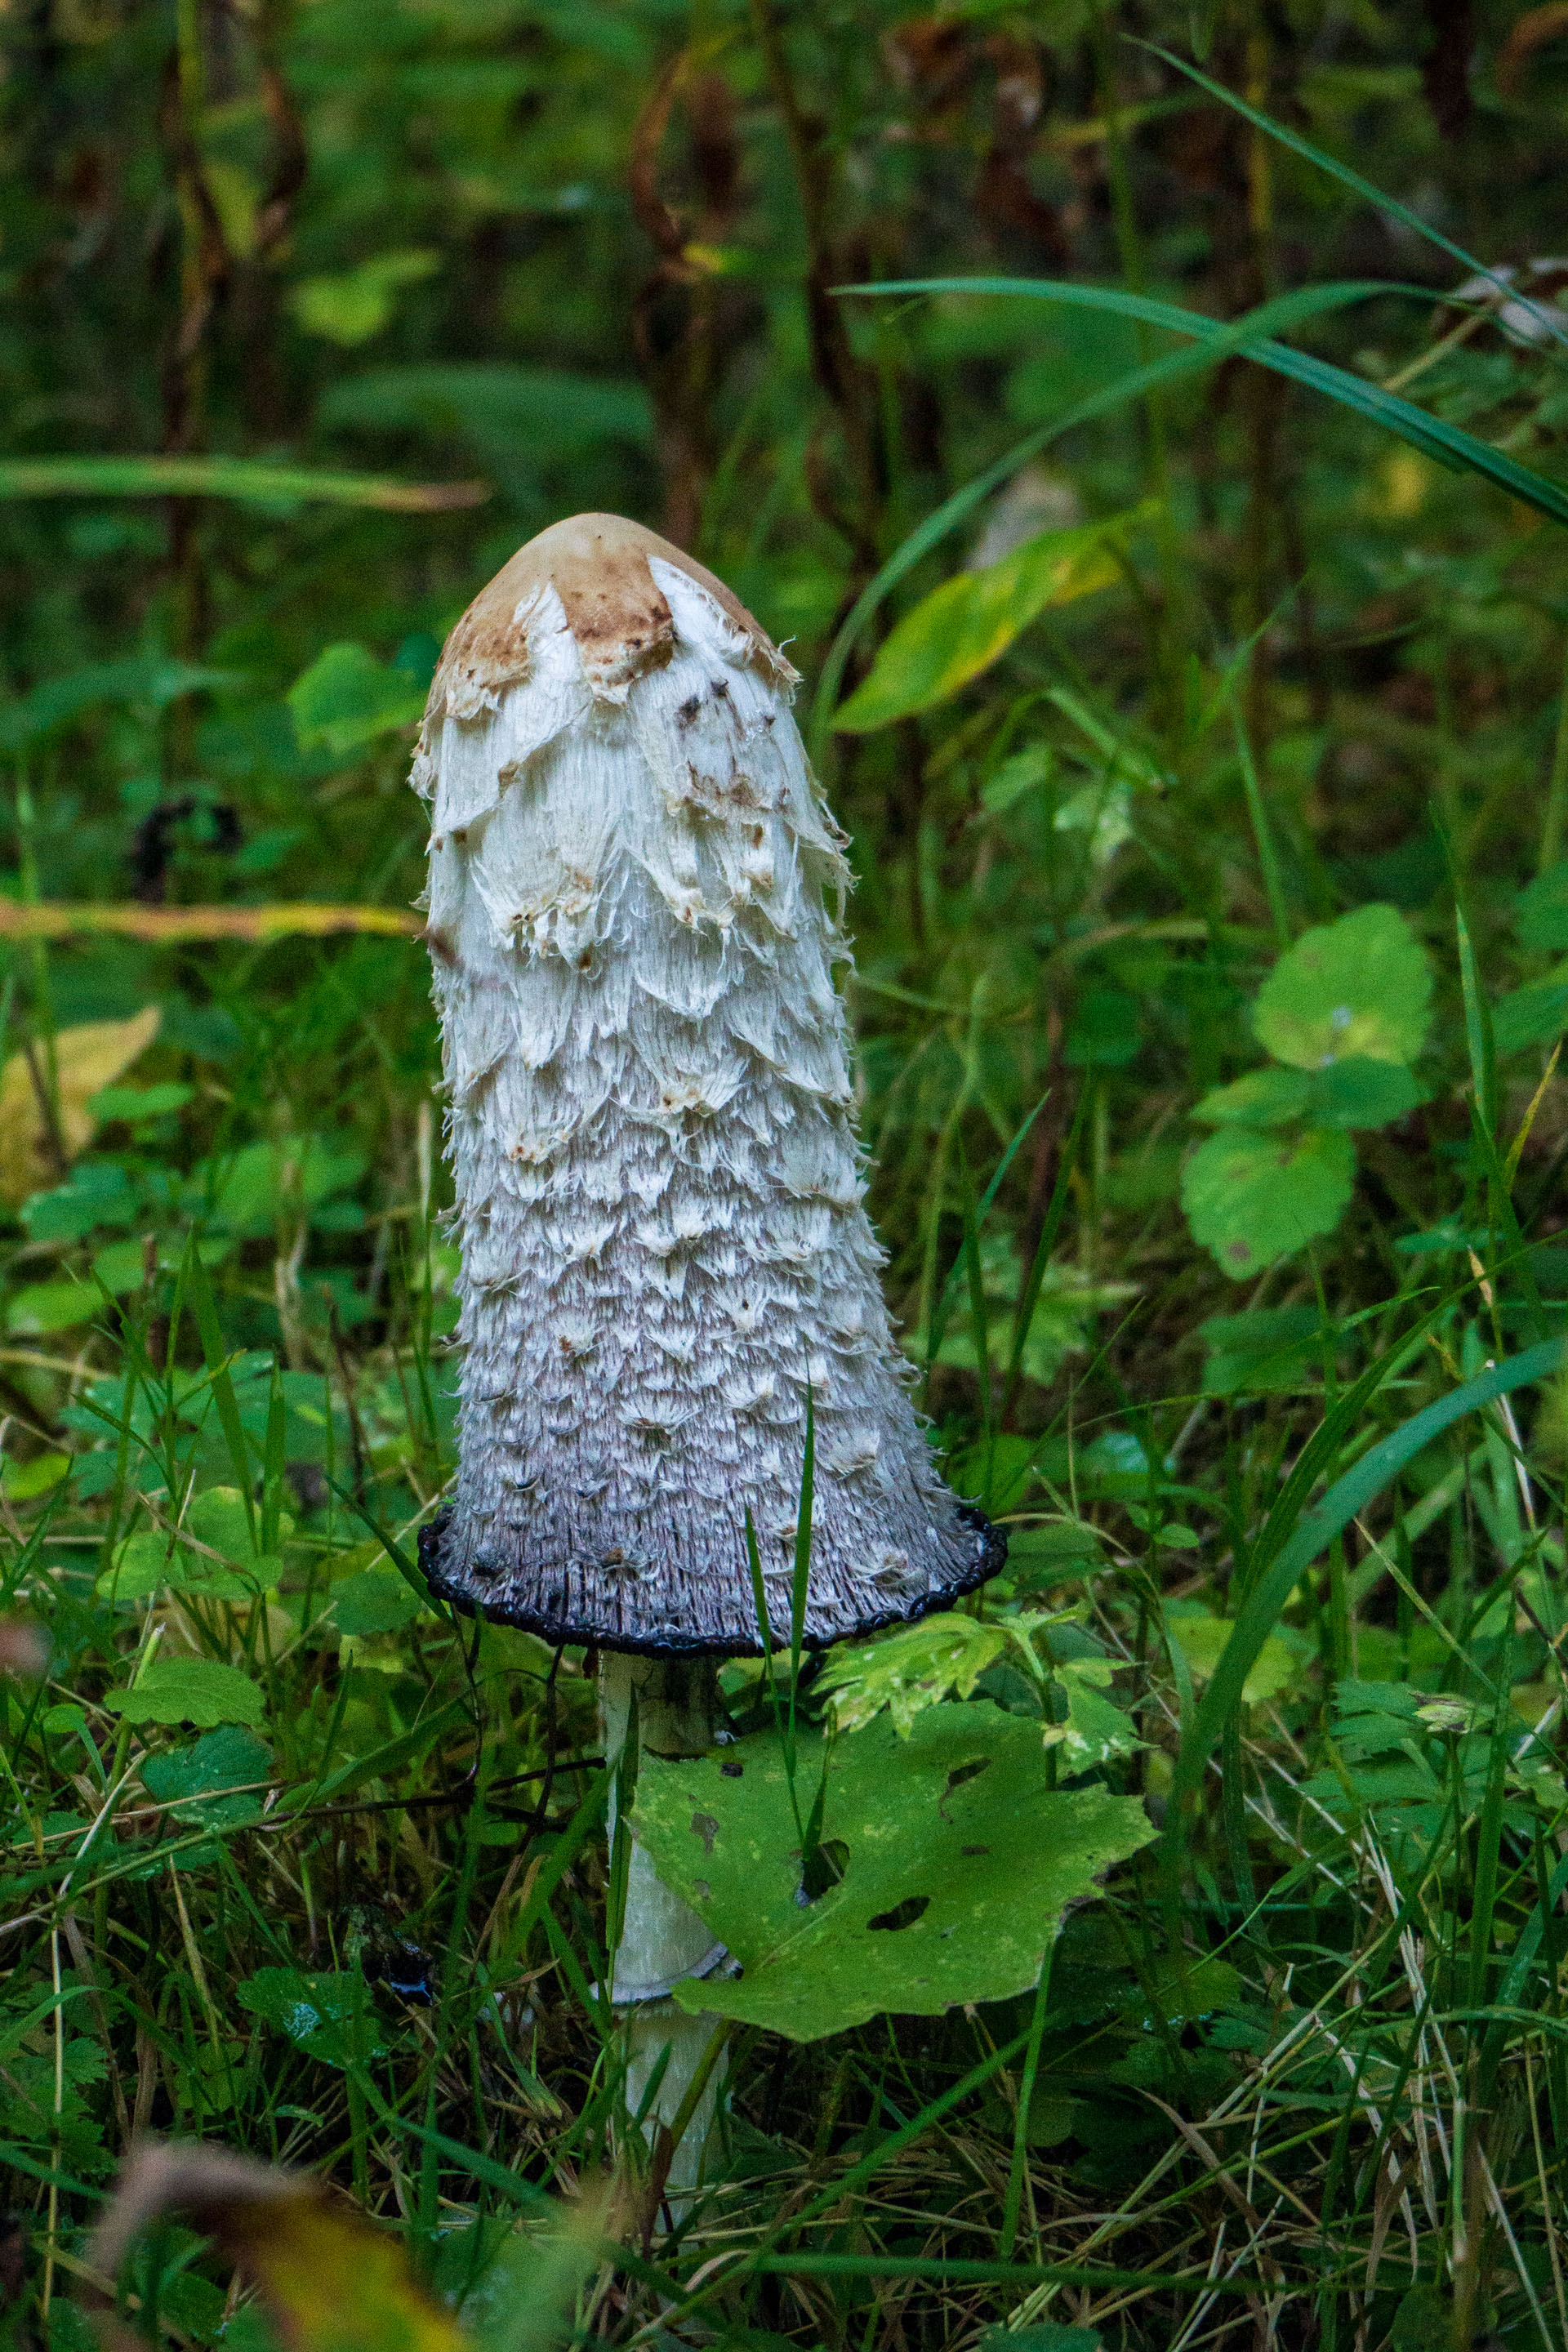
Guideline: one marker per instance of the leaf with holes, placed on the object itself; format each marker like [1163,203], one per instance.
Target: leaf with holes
[958,1858]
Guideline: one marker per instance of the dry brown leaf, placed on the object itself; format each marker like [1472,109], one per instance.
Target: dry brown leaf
[330,2280]
[86,1058]
[22,1648]
[176,926]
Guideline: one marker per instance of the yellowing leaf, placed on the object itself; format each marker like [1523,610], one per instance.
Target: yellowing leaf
[87,1059]
[1202,1640]
[910,1670]
[968,623]
[331,2282]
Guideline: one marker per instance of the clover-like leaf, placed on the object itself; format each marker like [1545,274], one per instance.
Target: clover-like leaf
[1251,1196]
[1363,985]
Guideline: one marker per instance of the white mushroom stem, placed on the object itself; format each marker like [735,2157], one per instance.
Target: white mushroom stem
[662,1938]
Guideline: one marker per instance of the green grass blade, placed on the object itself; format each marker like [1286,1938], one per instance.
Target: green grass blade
[245,479]
[199,1290]
[1349,1496]
[1364,188]
[1447,444]
[1286,312]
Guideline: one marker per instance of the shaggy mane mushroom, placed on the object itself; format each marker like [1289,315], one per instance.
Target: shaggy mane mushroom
[636,894]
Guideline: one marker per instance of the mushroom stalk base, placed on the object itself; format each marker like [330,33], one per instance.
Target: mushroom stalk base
[662,1938]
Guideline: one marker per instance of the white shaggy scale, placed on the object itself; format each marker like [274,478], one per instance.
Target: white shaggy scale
[659,1186]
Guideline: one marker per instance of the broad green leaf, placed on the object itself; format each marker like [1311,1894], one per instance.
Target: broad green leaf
[98,1193]
[957,1859]
[968,623]
[347,698]
[1059,1552]
[351,308]
[200,1778]
[134,1104]
[1540,913]
[909,1671]
[218,1517]
[1025,771]
[1044,2336]
[189,1690]
[251,1188]
[42,1307]
[1262,1098]
[377,1601]
[512,416]
[1360,1092]
[1203,1642]
[328,2014]
[149,1563]
[1252,1196]
[1360,986]
[24,1482]
[147,681]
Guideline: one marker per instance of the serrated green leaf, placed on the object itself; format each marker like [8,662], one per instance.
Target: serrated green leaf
[328,2014]
[1096,1730]
[1251,1196]
[189,1690]
[909,1671]
[1360,986]
[957,1856]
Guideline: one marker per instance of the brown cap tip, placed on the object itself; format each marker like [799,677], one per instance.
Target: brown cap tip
[598,566]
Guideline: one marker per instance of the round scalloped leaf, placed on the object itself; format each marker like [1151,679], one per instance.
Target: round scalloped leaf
[957,1860]
[189,1690]
[1251,1196]
[1363,985]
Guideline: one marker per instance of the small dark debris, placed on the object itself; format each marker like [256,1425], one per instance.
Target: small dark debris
[706,1827]
[731,1770]
[974,1849]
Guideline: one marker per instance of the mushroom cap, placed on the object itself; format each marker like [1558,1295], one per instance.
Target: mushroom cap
[598,566]
[668,1270]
